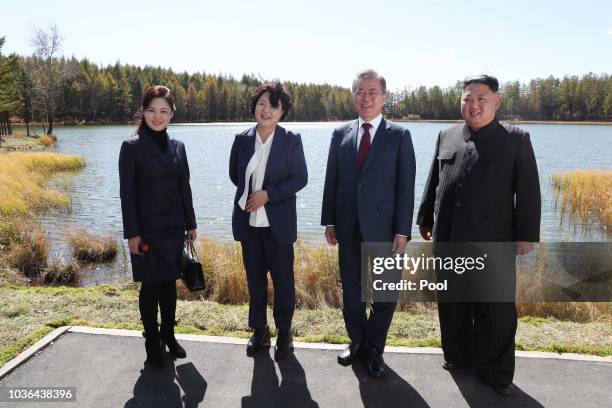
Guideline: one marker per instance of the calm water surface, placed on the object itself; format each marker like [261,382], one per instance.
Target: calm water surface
[95,191]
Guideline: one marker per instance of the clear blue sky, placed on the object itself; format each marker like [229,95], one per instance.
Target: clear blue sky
[411,43]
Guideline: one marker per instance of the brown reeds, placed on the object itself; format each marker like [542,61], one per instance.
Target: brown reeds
[88,247]
[25,245]
[316,276]
[58,272]
[586,195]
[318,285]
[47,140]
[23,177]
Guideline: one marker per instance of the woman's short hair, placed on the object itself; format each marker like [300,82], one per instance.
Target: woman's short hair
[277,93]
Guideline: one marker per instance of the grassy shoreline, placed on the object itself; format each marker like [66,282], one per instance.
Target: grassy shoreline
[29,313]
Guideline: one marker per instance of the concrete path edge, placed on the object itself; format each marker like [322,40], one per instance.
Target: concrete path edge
[25,355]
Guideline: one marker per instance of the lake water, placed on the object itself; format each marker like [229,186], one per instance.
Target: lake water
[95,191]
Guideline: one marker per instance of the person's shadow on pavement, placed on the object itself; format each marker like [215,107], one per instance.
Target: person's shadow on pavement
[192,383]
[478,394]
[388,392]
[266,390]
[157,388]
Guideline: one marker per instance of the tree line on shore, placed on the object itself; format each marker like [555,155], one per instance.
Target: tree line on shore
[47,87]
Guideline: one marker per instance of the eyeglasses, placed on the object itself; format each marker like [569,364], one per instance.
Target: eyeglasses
[371,94]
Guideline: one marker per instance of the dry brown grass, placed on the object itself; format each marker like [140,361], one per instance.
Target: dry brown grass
[568,311]
[88,247]
[316,276]
[318,285]
[58,272]
[23,177]
[47,140]
[25,245]
[586,195]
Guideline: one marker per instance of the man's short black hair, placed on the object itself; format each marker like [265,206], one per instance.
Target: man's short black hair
[484,79]
[277,93]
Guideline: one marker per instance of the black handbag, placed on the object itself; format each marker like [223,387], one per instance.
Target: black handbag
[192,273]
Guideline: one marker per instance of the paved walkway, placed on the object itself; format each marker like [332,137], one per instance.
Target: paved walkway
[106,368]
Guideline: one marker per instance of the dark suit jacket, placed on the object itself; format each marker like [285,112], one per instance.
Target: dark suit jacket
[482,189]
[286,174]
[156,204]
[381,196]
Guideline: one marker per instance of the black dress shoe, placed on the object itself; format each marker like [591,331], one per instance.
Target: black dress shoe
[376,363]
[452,366]
[505,390]
[284,345]
[259,340]
[349,354]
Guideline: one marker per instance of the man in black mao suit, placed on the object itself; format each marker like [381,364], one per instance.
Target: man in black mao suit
[368,197]
[483,186]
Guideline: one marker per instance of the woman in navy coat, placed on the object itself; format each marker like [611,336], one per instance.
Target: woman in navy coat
[268,168]
[157,211]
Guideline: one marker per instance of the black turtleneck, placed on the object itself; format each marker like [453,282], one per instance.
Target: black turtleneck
[160,138]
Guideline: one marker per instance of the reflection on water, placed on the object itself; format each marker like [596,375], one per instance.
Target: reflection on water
[95,191]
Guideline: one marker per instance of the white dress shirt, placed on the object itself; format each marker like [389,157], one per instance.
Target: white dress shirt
[259,218]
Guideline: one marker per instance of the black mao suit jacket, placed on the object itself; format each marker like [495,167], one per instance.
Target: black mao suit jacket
[156,204]
[483,188]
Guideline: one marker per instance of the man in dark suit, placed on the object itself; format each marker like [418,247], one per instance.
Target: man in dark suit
[483,186]
[368,197]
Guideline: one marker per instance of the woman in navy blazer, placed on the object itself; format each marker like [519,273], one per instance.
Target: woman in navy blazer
[268,167]
[157,210]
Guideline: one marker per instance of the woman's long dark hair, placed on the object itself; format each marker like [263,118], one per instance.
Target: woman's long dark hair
[155,91]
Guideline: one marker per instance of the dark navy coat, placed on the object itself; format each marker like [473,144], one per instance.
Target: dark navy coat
[156,204]
[286,174]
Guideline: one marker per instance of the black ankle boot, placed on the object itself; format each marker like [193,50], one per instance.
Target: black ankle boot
[153,349]
[166,336]
[167,309]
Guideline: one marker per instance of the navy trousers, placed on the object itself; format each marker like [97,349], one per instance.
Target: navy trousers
[260,254]
[372,330]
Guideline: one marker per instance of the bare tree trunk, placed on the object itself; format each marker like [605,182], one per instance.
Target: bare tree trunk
[26,115]
[50,130]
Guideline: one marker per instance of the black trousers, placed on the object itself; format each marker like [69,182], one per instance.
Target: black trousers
[152,295]
[372,330]
[261,254]
[481,333]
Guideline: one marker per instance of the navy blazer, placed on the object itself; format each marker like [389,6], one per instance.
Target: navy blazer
[286,174]
[381,196]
